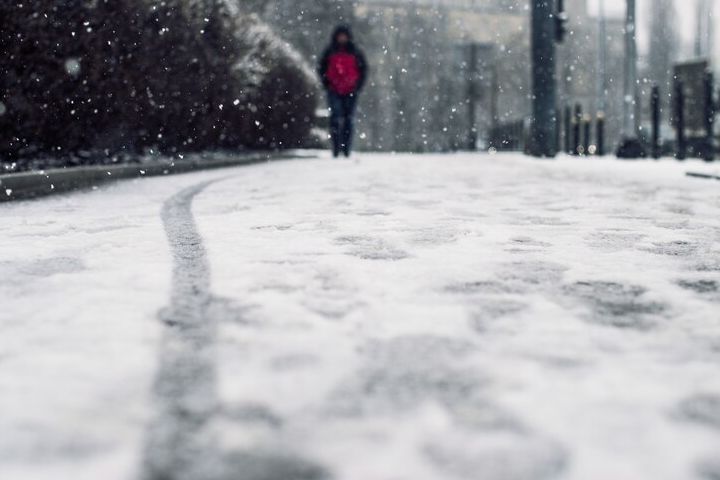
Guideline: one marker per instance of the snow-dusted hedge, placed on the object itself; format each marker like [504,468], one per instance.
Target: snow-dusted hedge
[176,75]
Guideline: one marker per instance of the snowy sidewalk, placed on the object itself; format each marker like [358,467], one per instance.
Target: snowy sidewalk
[404,318]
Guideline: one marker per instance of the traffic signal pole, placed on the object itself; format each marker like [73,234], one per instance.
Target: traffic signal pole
[630,144]
[548,28]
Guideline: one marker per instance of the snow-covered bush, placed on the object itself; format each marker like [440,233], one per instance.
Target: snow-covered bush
[281,88]
[176,75]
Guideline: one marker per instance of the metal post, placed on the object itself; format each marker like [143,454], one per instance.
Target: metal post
[630,146]
[472,96]
[577,119]
[630,72]
[602,59]
[495,94]
[544,37]
[568,129]
[558,129]
[680,120]
[600,134]
[656,122]
[709,153]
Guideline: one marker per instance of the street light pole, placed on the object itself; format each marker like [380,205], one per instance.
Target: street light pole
[630,72]
[602,82]
[602,59]
[472,96]
[630,145]
[546,32]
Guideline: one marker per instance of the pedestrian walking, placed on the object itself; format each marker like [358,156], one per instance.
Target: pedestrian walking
[343,71]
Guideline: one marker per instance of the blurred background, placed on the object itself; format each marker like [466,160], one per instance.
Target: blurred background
[91,79]
[419,51]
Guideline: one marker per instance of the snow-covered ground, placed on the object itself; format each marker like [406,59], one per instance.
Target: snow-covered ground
[401,318]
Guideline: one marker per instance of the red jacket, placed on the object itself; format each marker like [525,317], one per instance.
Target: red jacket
[343,70]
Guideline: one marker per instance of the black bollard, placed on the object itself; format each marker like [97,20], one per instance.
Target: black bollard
[577,119]
[656,122]
[558,128]
[568,129]
[600,152]
[680,121]
[472,93]
[709,153]
[586,135]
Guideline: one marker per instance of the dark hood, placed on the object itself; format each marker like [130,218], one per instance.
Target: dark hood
[342,29]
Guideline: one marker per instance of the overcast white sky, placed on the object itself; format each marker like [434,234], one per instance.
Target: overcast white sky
[685,9]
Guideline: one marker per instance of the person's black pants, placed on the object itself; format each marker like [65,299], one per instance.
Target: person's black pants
[342,111]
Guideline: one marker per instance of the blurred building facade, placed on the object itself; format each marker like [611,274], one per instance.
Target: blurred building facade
[424,71]
[438,68]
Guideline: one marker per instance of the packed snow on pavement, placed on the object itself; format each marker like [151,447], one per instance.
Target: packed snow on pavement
[401,317]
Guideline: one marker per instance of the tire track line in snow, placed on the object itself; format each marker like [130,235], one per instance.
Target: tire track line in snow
[181,441]
[178,444]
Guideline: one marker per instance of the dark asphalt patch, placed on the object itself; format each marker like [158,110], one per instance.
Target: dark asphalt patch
[368,248]
[393,380]
[434,236]
[703,409]
[530,242]
[709,469]
[614,241]
[533,273]
[700,286]
[484,287]
[617,305]
[678,248]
